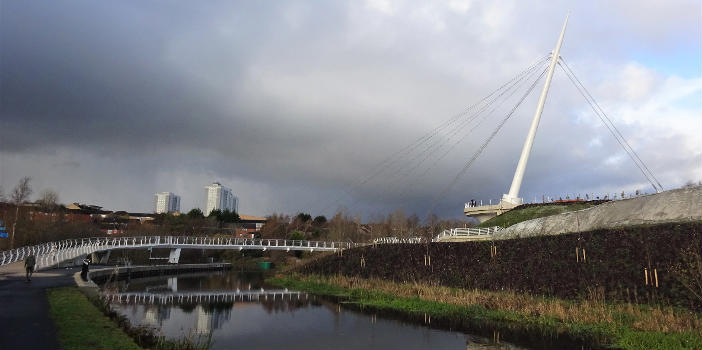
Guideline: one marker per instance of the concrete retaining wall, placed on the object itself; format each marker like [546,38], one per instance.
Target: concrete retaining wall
[670,206]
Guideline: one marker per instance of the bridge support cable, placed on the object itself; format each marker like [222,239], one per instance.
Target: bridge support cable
[463,137]
[402,180]
[645,170]
[421,142]
[479,115]
[484,145]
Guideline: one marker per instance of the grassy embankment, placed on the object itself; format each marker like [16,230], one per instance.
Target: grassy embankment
[516,216]
[82,325]
[622,326]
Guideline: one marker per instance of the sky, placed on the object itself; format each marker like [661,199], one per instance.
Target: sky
[295,105]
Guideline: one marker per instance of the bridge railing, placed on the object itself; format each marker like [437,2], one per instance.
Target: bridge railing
[197,297]
[393,240]
[51,253]
[467,232]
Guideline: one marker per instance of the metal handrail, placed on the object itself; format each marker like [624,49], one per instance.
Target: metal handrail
[467,232]
[51,253]
[393,240]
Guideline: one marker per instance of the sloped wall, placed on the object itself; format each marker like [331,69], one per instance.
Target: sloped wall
[670,206]
[611,263]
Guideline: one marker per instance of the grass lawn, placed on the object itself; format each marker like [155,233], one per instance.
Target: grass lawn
[81,325]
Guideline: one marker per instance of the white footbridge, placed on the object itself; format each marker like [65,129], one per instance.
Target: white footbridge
[52,253]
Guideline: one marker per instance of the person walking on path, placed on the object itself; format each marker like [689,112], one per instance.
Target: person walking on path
[29,263]
[85,269]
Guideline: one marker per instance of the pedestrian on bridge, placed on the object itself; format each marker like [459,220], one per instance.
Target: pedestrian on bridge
[29,264]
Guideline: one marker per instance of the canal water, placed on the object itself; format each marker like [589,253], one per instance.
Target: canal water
[240,311]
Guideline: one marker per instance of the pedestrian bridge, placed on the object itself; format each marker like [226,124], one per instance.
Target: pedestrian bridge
[165,298]
[53,253]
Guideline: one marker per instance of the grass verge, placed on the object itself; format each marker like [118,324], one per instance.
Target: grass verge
[590,322]
[81,325]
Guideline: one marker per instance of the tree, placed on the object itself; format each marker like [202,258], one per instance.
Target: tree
[319,221]
[195,213]
[296,236]
[48,200]
[276,226]
[303,217]
[20,195]
[228,216]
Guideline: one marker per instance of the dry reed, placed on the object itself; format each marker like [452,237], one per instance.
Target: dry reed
[591,310]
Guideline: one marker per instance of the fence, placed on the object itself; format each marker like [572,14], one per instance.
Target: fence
[467,232]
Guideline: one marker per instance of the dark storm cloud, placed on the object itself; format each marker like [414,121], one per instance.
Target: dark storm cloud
[292,102]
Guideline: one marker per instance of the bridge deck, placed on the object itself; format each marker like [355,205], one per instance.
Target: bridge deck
[52,253]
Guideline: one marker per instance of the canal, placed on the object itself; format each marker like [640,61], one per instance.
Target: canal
[240,311]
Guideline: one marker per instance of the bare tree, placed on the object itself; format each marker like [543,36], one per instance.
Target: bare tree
[48,200]
[19,195]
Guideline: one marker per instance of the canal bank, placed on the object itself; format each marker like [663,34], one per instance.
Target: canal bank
[83,319]
[537,320]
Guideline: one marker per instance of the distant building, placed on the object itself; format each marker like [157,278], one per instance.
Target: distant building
[166,202]
[251,224]
[220,197]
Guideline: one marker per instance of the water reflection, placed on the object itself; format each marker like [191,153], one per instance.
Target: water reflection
[240,311]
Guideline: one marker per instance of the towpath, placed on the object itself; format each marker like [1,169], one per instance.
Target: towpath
[24,310]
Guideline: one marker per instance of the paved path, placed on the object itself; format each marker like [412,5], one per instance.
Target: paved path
[24,311]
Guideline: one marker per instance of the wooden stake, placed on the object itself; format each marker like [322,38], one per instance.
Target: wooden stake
[646,275]
[425,260]
[577,255]
[655,273]
[584,257]
[429,256]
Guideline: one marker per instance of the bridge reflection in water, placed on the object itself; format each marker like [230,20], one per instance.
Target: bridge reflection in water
[240,311]
[203,297]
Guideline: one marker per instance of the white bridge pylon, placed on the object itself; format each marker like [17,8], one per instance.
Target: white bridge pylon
[52,253]
[511,199]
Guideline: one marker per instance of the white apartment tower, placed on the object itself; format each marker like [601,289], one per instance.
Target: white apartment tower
[220,197]
[166,202]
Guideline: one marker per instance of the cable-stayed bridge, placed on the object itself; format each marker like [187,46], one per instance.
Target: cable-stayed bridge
[409,167]
[398,172]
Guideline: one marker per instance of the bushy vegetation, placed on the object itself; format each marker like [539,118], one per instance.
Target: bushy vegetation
[345,227]
[642,264]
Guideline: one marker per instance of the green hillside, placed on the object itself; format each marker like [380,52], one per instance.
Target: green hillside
[529,212]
